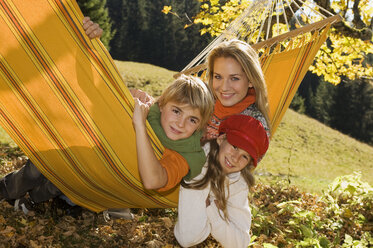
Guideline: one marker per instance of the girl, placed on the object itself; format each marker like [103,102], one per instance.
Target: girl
[216,201]
[236,78]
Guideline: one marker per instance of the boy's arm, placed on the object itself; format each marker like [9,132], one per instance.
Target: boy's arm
[152,173]
[176,166]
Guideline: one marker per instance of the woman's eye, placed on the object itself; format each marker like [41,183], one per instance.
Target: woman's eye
[234,147]
[176,111]
[235,79]
[217,76]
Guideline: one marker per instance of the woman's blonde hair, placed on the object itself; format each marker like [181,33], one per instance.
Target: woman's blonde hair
[192,91]
[217,178]
[248,58]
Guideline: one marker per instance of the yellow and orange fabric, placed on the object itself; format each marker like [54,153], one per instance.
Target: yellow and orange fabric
[64,103]
[284,71]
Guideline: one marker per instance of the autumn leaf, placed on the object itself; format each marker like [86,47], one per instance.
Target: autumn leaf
[335,60]
[166,9]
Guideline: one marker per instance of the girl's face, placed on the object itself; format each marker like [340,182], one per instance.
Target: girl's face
[179,121]
[230,83]
[231,158]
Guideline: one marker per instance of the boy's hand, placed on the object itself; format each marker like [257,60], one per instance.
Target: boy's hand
[140,113]
[91,29]
[142,96]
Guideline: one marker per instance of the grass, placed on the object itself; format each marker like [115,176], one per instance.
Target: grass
[150,78]
[5,139]
[310,155]
[303,151]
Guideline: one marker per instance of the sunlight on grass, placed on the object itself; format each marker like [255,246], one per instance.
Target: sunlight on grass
[303,152]
[310,154]
[150,78]
[5,139]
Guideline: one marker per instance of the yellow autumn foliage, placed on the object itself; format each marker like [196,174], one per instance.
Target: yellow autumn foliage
[342,57]
[166,9]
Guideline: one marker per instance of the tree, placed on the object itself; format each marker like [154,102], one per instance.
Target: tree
[115,8]
[145,34]
[352,110]
[190,42]
[98,12]
[297,104]
[347,107]
[323,102]
[349,43]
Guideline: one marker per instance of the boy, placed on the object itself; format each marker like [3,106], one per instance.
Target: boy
[177,118]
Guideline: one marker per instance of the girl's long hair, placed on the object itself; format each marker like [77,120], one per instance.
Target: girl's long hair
[217,178]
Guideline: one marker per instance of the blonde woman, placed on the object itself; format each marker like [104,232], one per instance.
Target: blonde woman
[236,78]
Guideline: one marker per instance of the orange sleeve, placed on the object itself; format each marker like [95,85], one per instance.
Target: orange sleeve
[176,167]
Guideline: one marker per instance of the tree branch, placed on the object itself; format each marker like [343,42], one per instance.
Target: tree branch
[357,17]
[361,30]
[363,34]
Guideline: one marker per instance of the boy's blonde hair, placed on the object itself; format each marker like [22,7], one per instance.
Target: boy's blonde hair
[192,91]
[248,58]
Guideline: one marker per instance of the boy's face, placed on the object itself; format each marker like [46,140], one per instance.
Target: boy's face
[179,121]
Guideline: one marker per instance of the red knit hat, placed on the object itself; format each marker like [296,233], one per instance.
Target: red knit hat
[247,133]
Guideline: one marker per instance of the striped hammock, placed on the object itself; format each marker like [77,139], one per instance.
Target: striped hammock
[63,102]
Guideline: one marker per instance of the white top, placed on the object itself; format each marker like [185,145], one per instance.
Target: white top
[196,221]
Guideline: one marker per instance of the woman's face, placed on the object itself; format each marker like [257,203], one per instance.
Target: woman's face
[231,158]
[230,83]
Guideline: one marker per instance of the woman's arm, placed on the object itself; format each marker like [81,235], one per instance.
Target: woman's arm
[143,96]
[153,175]
[91,28]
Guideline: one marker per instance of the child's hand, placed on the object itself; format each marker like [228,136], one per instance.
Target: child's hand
[91,29]
[140,113]
[142,96]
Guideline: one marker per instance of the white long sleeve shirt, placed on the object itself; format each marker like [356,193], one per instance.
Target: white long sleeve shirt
[196,221]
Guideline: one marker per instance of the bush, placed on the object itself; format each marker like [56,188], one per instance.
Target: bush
[341,217]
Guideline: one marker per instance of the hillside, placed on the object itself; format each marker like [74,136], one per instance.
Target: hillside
[310,154]
[303,151]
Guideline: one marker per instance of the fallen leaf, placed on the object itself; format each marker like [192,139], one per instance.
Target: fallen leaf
[167,222]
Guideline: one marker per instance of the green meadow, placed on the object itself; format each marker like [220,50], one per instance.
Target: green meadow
[303,152]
